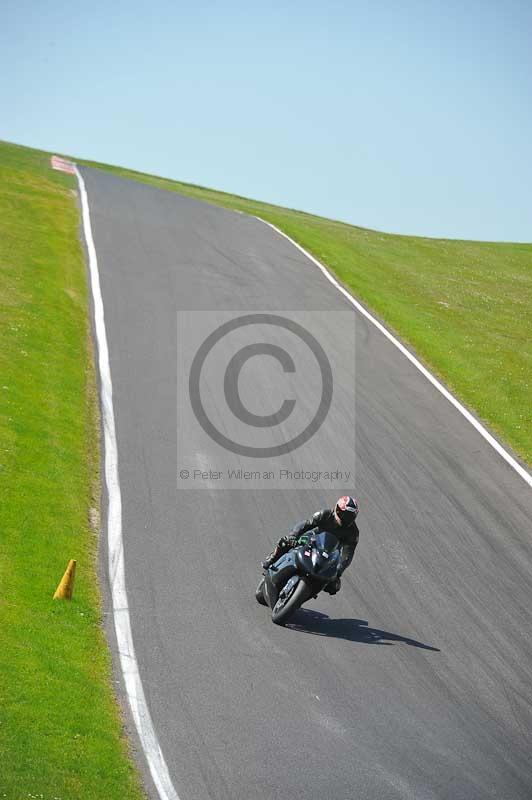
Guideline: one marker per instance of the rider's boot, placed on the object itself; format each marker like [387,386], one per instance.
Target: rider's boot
[333,587]
[272,558]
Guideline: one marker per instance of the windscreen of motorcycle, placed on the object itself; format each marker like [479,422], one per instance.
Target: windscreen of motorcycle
[325,541]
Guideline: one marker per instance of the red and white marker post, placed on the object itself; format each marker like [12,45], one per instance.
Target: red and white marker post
[62,165]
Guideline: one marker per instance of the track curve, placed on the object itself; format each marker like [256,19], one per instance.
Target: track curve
[415,681]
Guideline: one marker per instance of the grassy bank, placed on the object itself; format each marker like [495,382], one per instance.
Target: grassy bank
[60,732]
[465,307]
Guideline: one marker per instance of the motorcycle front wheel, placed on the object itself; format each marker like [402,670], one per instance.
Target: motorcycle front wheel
[290,602]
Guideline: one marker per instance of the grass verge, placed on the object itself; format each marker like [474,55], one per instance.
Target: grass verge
[60,730]
[464,307]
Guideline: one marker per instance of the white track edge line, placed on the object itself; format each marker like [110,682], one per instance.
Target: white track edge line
[424,371]
[128,661]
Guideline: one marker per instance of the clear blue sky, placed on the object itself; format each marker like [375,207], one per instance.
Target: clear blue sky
[411,116]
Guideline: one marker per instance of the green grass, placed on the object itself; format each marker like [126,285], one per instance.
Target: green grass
[60,729]
[464,307]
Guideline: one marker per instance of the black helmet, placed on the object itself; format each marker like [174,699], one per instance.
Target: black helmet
[346,509]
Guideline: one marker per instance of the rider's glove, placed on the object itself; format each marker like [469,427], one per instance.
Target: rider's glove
[284,541]
[292,540]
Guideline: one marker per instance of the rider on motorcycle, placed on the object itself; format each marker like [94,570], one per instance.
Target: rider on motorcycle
[339,520]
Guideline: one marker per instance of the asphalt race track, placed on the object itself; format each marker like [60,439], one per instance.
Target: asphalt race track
[416,680]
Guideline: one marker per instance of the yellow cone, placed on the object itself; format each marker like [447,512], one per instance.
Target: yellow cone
[66,584]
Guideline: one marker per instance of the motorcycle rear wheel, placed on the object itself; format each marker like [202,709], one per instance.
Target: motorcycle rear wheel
[259,593]
[285,607]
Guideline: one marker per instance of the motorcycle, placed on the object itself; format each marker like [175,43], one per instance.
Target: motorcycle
[299,575]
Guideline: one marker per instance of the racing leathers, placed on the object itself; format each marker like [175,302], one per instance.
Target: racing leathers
[325,520]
